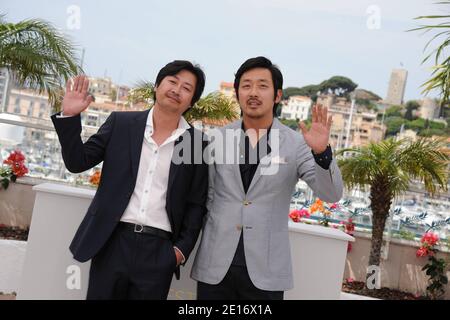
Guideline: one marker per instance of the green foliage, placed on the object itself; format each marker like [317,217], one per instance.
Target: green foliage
[338,85]
[308,91]
[388,168]
[432,132]
[38,56]
[393,125]
[394,111]
[214,106]
[436,272]
[423,127]
[407,235]
[440,76]
[398,161]
[410,107]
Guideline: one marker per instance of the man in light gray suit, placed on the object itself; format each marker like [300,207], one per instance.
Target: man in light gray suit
[244,251]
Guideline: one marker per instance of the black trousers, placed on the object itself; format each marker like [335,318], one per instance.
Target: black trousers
[236,285]
[132,266]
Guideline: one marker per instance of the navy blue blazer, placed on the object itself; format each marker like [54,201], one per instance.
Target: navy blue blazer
[118,144]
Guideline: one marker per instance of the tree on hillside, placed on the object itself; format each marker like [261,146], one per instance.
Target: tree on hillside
[308,91]
[338,85]
[410,107]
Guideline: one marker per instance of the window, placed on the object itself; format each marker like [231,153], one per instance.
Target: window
[92,120]
[30,109]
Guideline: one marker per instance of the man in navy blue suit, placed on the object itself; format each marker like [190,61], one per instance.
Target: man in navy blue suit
[147,212]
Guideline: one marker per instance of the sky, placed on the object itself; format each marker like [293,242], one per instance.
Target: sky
[309,40]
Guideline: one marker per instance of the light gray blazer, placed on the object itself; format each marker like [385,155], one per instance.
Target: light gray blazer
[263,213]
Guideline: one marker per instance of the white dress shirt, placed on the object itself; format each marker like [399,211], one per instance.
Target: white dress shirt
[147,205]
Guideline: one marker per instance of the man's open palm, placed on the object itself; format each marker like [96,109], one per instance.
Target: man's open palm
[318,135]
[76,99]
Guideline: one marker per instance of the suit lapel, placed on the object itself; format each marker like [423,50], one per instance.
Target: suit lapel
[241,149]
[137,129]
[175,168]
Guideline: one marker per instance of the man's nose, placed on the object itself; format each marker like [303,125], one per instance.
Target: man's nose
[253,91]
[176,90]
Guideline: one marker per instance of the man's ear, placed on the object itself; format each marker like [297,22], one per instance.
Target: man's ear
[279,95]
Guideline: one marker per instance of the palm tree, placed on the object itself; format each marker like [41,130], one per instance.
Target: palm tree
[214,106]
[388,168]
[440,76]
[37,56]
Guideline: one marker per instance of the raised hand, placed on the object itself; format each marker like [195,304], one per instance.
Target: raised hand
[76,99]
[318,135]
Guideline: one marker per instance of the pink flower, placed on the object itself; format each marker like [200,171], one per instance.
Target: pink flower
[334,206]
[304,213]
[349,280]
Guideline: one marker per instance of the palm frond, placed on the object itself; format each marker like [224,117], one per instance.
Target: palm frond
[399,162]
[215,106]
[38,56]
[440,76]
[143,92]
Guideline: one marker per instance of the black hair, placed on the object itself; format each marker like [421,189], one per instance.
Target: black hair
[260,62]
[174,67]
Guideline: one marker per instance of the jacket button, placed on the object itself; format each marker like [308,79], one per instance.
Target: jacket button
[246,202]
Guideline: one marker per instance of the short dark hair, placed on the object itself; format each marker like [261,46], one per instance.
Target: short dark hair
[174,67]
[260,62]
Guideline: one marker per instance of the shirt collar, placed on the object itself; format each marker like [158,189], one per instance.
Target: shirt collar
[183,125]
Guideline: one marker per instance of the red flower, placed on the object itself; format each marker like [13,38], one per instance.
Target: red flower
[16,161]
[422,252]
[334,206]
[297,215]
[429,239]
[15,156]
